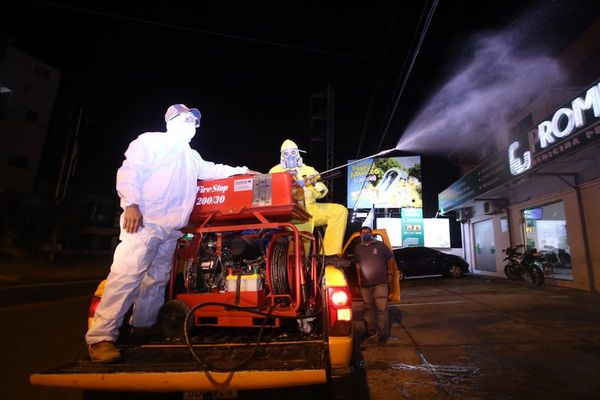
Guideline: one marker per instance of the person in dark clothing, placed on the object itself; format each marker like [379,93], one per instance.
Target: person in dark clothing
[372,257]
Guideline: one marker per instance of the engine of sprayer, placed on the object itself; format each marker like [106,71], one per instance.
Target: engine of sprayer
[242,251]
[223,257]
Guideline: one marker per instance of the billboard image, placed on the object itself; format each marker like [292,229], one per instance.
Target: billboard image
[412,227]
[436,232]
[392,182]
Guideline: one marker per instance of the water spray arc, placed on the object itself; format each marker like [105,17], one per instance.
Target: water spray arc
[381,153]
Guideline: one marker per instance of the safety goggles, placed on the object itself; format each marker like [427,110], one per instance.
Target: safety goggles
[188,117]
[290,153]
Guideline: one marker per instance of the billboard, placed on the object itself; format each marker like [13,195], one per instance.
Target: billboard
[393,226]
[436,232]
[386,182]
[412,227]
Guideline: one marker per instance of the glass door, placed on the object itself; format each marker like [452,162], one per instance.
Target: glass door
[485,252]
[545,228]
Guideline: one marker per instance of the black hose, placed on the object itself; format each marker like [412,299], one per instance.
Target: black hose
[205,363]
[279,283]
[212,367]
[279,269]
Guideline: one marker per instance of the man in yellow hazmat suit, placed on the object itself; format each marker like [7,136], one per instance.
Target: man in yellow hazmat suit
[335,216]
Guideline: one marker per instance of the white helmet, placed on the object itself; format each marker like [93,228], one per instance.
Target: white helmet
[290,155]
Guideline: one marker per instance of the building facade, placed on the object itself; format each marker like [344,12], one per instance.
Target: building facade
[542,189]
[29,89]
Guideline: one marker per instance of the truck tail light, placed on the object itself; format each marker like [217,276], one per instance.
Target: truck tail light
[340,311]
[93,306]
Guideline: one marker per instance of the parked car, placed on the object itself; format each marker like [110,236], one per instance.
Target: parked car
[422,261]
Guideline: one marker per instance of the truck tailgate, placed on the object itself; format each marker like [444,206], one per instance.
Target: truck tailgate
[172,367]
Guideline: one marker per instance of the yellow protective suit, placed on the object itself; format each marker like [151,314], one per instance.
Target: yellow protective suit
[334,216]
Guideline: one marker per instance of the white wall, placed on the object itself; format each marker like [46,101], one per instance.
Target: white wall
[591,201]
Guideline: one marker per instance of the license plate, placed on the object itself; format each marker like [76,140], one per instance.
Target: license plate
[232,394]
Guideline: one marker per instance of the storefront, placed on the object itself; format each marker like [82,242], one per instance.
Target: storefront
[541,191]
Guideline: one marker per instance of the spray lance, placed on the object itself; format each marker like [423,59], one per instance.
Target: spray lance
[311,179]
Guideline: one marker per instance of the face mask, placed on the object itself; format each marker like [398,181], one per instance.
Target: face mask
[291,158]
[367,237]
[184,129]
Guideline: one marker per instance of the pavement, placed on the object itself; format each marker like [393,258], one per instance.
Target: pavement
[481,338]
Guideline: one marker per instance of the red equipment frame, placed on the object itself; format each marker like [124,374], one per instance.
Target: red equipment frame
[268,217]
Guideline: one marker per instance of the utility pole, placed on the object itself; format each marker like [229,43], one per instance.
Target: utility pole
[321,123]
[70,156]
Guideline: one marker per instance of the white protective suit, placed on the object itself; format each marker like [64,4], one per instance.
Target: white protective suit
[159,175]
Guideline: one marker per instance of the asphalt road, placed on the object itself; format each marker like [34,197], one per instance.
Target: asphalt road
[43,292]
[37,337]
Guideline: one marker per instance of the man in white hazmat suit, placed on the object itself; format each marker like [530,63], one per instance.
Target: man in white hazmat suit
[157,187]
[335,216]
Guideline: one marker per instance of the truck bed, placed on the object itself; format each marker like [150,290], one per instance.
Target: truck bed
[177,358]
[227,364]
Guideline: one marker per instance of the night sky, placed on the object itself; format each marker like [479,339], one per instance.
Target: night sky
[251,68]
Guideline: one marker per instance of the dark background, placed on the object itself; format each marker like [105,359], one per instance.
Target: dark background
[252,67]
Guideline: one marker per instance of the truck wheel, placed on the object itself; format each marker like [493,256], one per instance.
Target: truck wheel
[342,389]
[352,386]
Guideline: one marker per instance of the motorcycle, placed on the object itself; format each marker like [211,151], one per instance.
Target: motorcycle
[523,264]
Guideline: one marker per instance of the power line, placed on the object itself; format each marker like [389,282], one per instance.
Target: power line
[407,75]
[404,81]
[379,74]
[215,34]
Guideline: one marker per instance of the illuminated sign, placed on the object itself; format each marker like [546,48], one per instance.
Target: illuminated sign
[393,182]
[412,227]
[436,232]
[565,120]
[516,164]
[563,123]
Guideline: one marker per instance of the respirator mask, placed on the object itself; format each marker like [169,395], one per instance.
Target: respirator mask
[290,158]
[184,124]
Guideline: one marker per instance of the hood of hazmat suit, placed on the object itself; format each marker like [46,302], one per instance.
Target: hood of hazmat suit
[290,155]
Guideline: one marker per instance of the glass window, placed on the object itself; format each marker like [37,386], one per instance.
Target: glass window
[545,229]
